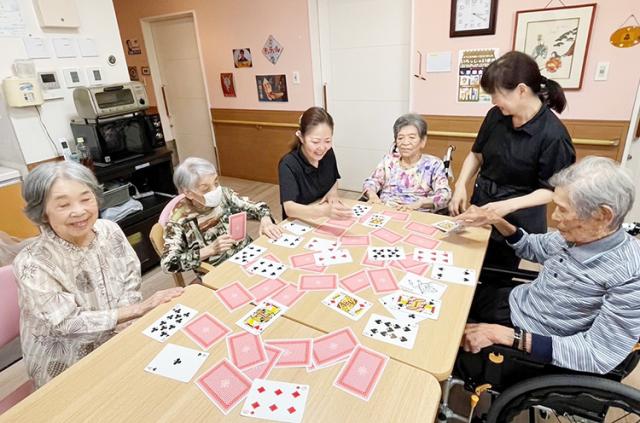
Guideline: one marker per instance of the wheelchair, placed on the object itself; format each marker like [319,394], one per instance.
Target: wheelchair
[543,391]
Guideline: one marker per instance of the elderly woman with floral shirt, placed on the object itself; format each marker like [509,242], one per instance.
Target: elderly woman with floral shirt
[406,178]
[198,227]
[79,281]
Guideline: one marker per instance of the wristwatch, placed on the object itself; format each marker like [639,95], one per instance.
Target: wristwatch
[517,338]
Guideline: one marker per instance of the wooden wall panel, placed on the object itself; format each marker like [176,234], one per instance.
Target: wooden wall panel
[251,142]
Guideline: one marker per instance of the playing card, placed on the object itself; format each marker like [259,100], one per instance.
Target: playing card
[406,264]
[261,317]
[354,240]
[206,330]
[396,215]
[246,350]
[447,226]
[421,241]
[238,226]
[421,228]
[317,282]
[171,322]
[385,253]
[361,373]
[234,295]
[333,347]
[329,258]
[341,223]
[376,220]
[387,235]
[302,260]
[330,230]
[321,244]
[347,304]
[267,288]
[453,274]
[356,282]
[295,352]
[287,241]
[262,370]
[392,331]
[426,255]
[389,302]
[360,210]
[247,254]
[177,362]
[276,401]
[409,303]
[366,261]
[382,280]
[268,268]
[288,295]
[422,286]
[225,385]
[297,227]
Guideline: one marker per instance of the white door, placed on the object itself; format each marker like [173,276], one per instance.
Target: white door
[364,55]
[183,95]
[631,159]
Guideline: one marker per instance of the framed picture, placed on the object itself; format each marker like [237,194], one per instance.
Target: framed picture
[558,40]
[133,73]
[472,17]
[242,58]
[272,87]
[228,87]
[145,70]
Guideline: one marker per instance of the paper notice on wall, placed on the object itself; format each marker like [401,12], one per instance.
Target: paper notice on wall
[439,62]
[471,65]
[11,22]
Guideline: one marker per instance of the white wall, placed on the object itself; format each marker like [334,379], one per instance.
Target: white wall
[97,21]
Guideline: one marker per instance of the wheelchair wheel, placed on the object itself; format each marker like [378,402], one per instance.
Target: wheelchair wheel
[576,397]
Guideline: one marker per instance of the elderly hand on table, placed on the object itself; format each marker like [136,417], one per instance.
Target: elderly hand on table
[268,228]
[481,335]
[478,216]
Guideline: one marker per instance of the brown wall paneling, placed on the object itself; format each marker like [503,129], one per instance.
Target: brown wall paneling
[251,142]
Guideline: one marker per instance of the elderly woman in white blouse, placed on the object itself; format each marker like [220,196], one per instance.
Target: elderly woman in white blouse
[79,281]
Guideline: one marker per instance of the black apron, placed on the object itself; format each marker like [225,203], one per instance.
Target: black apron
[532,220]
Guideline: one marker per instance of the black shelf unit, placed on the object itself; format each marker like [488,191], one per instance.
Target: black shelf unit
[151,172]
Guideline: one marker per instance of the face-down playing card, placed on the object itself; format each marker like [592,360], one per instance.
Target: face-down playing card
[246,350]
[361,373]
[206,330]
[295,352]
[234,295]
[333,347]
[171,322]
[225,385]
[238,226]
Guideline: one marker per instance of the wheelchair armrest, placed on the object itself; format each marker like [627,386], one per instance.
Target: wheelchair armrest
[528,275]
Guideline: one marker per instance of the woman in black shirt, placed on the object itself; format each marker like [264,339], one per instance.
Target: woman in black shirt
[520,145]
[309,172]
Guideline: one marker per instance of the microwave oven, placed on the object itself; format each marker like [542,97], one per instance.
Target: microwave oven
[110,100]
[116,139]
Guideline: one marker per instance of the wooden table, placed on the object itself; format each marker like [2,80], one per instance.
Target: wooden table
[110,384]
[438,340]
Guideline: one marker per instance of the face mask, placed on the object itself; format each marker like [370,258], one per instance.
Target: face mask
[213,198]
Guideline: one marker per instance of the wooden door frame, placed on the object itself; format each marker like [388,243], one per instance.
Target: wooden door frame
[154,66]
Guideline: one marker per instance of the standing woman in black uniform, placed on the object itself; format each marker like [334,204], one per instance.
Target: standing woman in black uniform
[308,174]
[520,145]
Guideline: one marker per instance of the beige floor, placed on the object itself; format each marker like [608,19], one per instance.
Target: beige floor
[155,280]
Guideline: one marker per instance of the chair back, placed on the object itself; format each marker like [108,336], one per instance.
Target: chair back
[9,311]
[156,236]
[166,212]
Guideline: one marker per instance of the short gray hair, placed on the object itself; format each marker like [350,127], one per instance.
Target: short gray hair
[189,172]
[39,181]
[410,119]
[594,182]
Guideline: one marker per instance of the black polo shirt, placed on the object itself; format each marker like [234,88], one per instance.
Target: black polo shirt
[303,183]
[526,156]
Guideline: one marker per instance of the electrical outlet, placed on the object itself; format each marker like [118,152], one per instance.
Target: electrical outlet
[602,71]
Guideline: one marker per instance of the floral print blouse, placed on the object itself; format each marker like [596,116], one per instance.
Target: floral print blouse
[396,184]
[69,296]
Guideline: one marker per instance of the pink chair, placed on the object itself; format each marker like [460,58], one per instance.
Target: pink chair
[166,212]
[10,330]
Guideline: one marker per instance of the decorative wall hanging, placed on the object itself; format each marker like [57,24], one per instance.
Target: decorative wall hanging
[626,36]
[471,65]
[272,87]
[272,49]
[133,47]
[242,58]
[133,73]
[228,87]
[557,39]
[145,70]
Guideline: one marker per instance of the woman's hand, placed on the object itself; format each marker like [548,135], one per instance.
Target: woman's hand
[501,208]
[458,203]
[268,228]
[217,247]
[373,198]
[158,298]
[334,209]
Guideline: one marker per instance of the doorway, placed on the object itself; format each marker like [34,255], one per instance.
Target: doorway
[180,84]
[364,75]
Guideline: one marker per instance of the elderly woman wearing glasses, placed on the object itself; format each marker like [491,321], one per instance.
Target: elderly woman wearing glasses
[406,178]
[79,281]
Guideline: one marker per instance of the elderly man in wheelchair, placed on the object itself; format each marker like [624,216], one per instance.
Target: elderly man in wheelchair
[561,343]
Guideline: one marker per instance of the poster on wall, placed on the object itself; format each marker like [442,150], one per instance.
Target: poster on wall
[242,58]
[272,49]
[133,73]
[133,47]
[557,39]
[228,87]
[272,87]
[471,65]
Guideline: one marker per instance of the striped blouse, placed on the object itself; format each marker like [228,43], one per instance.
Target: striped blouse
[584,307]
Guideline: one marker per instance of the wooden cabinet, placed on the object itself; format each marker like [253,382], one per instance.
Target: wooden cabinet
[12,218]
